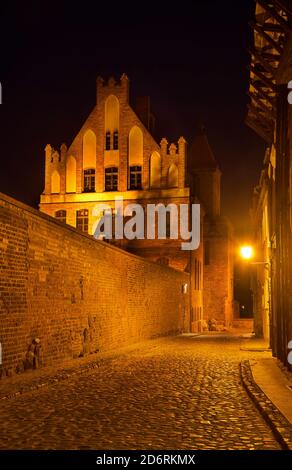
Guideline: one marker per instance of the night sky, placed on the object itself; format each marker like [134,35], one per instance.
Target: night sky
[190,57]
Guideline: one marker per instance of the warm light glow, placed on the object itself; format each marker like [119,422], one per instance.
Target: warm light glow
[71,175]
[172,180]
[135,146]
[89,150]
[246,252]
[155,170]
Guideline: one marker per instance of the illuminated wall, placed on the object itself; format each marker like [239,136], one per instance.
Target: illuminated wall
[135,146]
[71,175]
[155,170]
[89,149]
[173,176]
[77,295]
[112,114]
[55,182]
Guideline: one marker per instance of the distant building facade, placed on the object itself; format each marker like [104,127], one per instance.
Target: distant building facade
[218,245]
[115,154]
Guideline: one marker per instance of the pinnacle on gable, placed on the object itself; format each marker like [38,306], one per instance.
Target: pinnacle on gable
[172,149]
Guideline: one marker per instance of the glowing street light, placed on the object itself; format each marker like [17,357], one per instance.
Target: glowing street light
[246,252]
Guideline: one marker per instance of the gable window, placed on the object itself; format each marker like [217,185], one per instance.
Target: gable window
[108,140]
[116,140]
[135,177]
[82,220]
[55,182]
[155,170]
[167,231]
[111,179]
[61,216]
[89,181]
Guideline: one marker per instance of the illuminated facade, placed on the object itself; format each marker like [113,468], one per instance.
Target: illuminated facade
[115,154]
[270,116]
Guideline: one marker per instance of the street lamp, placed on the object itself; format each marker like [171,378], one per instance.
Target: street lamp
[246,252]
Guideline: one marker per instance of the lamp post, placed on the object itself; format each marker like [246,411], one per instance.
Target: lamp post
[247,254]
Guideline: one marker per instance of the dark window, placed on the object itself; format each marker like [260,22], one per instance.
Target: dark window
[61,216]
[111,179]
[207,252]
[168,220]
[197,275]
[108,141]
[135,177]
[116,140]
[89,181]
[82,220]
[200,276]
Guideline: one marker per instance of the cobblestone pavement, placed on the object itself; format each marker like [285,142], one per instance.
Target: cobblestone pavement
[178,393]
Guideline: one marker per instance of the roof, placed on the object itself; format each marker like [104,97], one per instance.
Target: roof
[200,153]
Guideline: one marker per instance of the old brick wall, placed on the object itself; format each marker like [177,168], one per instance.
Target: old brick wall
[74,294]
[218,274]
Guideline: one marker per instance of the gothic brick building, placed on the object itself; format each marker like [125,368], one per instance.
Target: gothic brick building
[115,153]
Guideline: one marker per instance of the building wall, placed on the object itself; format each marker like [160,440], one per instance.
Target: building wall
[75,294]
[264,233]
[170,157]
[217,251]
[218,273]
[272,283]
[157,186]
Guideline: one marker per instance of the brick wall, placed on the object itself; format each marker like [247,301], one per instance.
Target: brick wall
[218,274]
[76,295]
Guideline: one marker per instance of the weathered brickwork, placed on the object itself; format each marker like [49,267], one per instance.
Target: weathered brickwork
[64,294]
[218,244]
[218,271]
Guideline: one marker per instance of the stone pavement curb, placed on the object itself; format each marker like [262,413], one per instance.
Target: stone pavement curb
[280,426]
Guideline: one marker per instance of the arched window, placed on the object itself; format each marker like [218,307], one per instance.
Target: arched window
[55,182]
[112,123]
[82,220]
[135,146]
[89,149]
[135,177]
[89,180]
[61,216]
[172,180]
[155,170]
[111,179]
[71,175]
[116,140]
[108,140]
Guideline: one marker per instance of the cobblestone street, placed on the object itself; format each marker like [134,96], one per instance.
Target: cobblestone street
[178,393]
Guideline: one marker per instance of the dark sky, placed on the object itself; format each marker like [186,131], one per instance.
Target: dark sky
[190,57]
